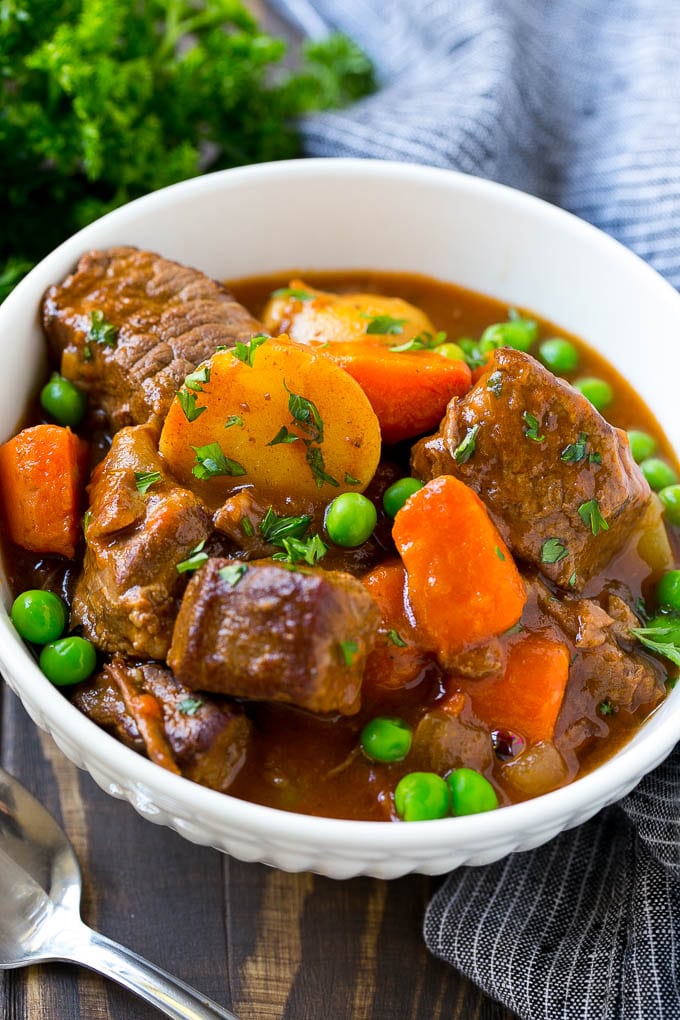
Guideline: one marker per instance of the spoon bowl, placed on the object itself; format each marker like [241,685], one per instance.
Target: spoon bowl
[40,890]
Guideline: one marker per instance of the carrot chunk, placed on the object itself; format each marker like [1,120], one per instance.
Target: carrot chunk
[463,585]
[527,698]
[409,391]
[41,476]
[398,657]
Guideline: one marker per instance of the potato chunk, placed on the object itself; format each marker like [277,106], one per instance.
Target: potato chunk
[276,416]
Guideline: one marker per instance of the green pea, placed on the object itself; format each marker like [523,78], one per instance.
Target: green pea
[642,445]
[670,498]
[658,473]
[517,332]
[560,356]
[396,495]
[68,660]
[450,350]
[384,739]
[350,519]
[420,796]
[668,591]
[63,401]
[39,616]
[597,391]
[471,793]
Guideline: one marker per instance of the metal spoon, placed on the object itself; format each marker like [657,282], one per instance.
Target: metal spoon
[40,889]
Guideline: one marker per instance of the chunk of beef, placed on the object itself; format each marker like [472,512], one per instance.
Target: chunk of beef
[147,708]
[128,593]
[167,320]
[265,632]
[559,481]
[607,667]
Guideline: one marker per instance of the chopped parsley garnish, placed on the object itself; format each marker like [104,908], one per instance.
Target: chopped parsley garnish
[187,401]
[293,292]
[247,527]
[606,707]
[145,479]
[466,448]
[595,458]
[306,414]
[245,352]
[574,453]
[553,550]
[314,458]
[189,706]
[275,529]
[196,380]
[87,517]
[196,558]
[349,651]
[591,516]
[233,419]
[495,382]
[232,573]
[211,461]
[396,639]
[425,341]
[284,435]
[500,554]
[532,427]
[351,480]
[662,636]
[572,580]
[309,550]
[385,325]
[101,331]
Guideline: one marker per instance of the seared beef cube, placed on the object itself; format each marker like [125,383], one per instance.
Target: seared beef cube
[128,593]
[264,632]
[166,319]
[608,671]
[147,708]
[558,480]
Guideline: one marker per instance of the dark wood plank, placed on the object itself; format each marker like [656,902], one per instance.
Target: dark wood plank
[269,945]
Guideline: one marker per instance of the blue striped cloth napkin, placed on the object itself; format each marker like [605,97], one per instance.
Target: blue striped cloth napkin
[577,101]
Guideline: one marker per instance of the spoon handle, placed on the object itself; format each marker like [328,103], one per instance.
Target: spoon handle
[167,993]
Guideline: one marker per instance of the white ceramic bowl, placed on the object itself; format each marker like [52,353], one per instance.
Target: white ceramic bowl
[358,214]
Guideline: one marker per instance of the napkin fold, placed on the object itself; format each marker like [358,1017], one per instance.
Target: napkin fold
[578,102]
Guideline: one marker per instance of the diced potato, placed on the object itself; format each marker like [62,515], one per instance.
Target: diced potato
[312,316]
[278,417]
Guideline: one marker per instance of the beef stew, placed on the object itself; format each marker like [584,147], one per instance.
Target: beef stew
[494,625]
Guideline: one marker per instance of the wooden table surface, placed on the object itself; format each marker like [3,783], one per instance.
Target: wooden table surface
[264,943]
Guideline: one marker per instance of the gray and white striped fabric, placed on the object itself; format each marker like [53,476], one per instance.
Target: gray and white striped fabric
[577,101]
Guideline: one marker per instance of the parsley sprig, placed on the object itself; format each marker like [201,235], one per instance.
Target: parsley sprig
[211,462]
[103,102]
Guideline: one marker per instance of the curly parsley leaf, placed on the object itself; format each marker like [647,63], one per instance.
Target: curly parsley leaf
[101,331]
[245,352]
[533,427]
[309,550]
[466,448]
[145,479]
[211,462]
[107,100]
[275,529]
[591,515]
[661,635]
[553,550]
[233,572]
[187,401]
[384,325]
[196,558]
